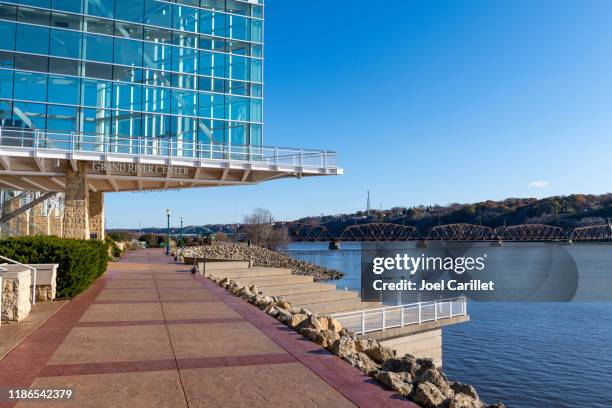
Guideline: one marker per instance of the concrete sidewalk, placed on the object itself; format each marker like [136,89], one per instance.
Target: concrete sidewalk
[149,334]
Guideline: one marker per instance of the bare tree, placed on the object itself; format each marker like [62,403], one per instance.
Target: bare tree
[258,225]
[259,229]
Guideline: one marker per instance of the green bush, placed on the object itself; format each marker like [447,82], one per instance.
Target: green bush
[120,236]
[114,250]
[80,262]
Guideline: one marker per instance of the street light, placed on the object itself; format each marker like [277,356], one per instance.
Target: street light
[181,233]
[168,212]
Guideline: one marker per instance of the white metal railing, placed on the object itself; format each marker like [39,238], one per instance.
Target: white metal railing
[381,319]
[166,148]
[33,275]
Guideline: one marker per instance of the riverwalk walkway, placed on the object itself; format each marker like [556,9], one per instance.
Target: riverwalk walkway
[149,334]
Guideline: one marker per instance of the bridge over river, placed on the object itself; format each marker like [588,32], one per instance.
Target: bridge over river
[451,232]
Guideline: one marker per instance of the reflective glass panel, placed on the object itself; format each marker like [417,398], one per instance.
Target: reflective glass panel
[32,39]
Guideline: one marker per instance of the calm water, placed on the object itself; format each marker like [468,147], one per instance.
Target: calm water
[527,355]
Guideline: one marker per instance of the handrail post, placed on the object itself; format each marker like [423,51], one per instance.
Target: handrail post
[435,311]
[450,304]
[464,306]
[363,322]
[301,157]
[384,319]
[420,314]
[402,319]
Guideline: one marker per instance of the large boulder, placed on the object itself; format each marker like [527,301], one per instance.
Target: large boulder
[319,323]
[365,343]
[245,293]
[460,388]
[283,304]
[362,362]
[406,364]
[436,378]
[306,311]
[334,324]
[344,347]
[271,310]
[425,363]
[308,332]
[326,339]
[428,395]
[380,353]
[464,401]
[398,382]
[297,319]
[283,315]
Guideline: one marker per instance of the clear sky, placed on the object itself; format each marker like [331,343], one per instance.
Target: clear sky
[427,102]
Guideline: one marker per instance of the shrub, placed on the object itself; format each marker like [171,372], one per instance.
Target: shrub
[80,262]
[120,236]
[113,249]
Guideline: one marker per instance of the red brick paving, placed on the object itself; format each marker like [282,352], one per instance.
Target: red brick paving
[310,375]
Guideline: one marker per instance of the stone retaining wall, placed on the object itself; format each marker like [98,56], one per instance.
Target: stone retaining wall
[16,294]
[261,257]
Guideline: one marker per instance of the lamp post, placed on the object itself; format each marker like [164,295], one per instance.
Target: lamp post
[181,233]
[168,212]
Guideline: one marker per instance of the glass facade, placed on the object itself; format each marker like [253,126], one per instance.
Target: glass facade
[184,70]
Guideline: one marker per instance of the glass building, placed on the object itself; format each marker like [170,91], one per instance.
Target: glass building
[183,70]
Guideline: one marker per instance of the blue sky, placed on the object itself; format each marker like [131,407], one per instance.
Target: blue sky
[427,102]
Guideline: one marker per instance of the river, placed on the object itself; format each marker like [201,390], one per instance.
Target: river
[527,355]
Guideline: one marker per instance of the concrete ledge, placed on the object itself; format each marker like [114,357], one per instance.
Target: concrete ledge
[46,281]
[417,328]
[218,264]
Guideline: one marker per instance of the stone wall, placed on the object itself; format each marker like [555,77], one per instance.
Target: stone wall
[76,203]
[56,223]
[260,257]
[15,294]
[96,215]
[20,223]
[40,221]
[422,345]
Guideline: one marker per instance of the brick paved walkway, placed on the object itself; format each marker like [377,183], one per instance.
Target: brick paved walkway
[149,334]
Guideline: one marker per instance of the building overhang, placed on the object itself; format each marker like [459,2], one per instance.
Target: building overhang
[27,164]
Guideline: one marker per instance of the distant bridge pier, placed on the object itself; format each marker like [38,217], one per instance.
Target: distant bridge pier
[422,244]
[334,245]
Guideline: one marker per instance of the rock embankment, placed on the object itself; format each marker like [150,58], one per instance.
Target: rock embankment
[261,257]
[419,380]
